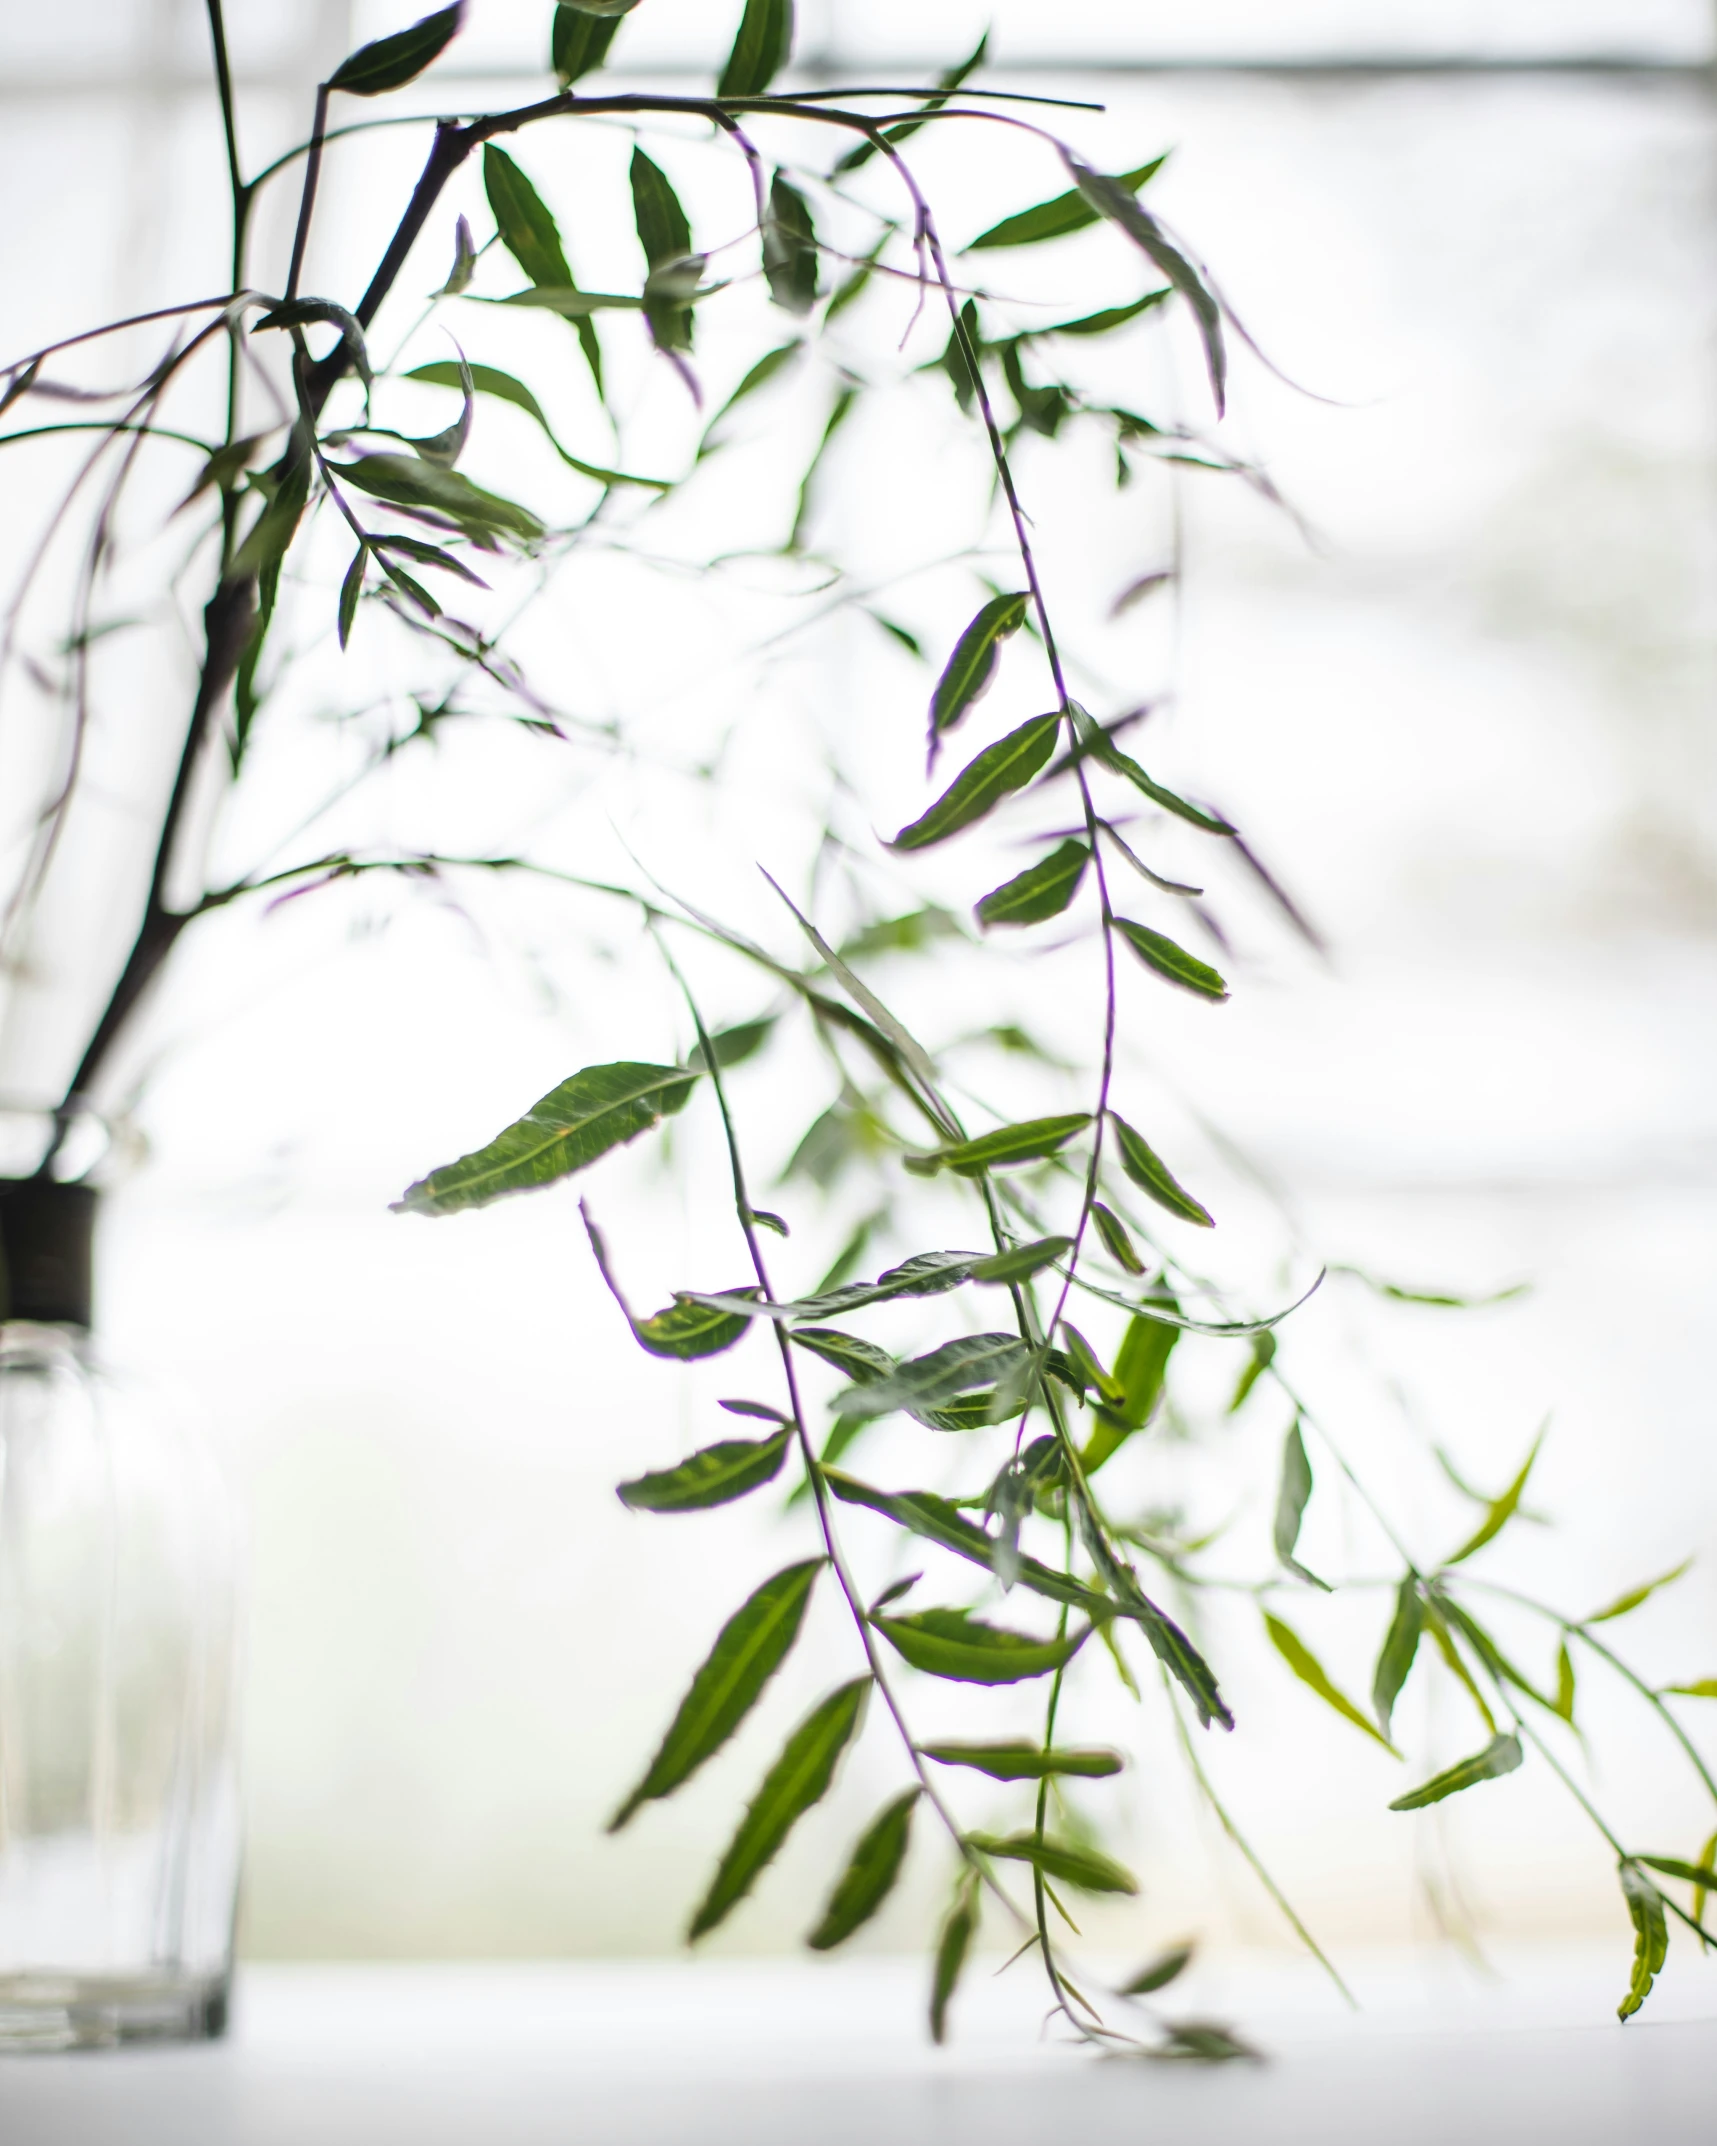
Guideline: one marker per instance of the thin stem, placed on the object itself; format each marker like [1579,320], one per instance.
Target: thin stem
[813,1470]
[307,200]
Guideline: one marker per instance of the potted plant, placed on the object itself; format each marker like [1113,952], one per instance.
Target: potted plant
[1080,1280]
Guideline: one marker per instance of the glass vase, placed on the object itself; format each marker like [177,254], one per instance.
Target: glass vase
[119,1825]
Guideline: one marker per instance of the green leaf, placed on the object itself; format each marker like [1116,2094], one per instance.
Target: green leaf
[1030,1141]
[579,42]
[490,380]
[716,1475]
[1310,1671]
[908,934]
[1024,1762]
[1565,1684]
[861,1360]
[749,1648]
[924,1514]
[1141,1365]
[1291,1496]
[421,488]
[1700,1874]
[869,1876]
[1167,1967]
[1651,1936]
[1203,2041]
[1056,219]
[666,238]
[1113,200]
[1501,1510]
[767,366]
[999,769]
[596,1110]
[1084,1868]
[969,670]
[1501,1755]
[531,235]
[733,1046]
[954,1644]
[1159,952]
[687,1329]
[1636,1595]
[1096,741]
[350,590]
[1400,1645]
[389,62]
[798,1779]
[305,312]
[1116,1240]
[428,555]
[269,536]
[951,1948]
[1151,1175]
[1707,1863]
[1021,1261]
[1704,1688]
[970,1360]
[1043,890]
[946,83]
[925,1274]
[1102,323]
[790,249]
[760,50]
[1262,1355]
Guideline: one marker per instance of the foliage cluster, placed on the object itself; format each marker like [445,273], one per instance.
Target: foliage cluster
[1078,1210]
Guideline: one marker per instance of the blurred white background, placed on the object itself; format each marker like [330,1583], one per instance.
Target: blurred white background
[1469,721]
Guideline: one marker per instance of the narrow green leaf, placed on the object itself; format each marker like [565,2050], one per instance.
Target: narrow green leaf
[869,1876]
[1159,952]
[924,1514]
[954,1644]
[1310,1671]
[1110,318]
[350,590]
[928,1381]
[1565,1684]
[925,1274]
[1636,1595]
[733,1046]
[1043,890]
[999,769]
[798,1779]
[716,1475]
[579,42]
[1024,1762]
[306,312]
[571,303]
[1501,1755]
[1084,1868]
[270,535]
[749,1648]
[767,366]
[952,1946]
[688,1329]
[490,380]
[1008,1145]
[1671,1866]
[1096,741]
[1203,2041]
[967,675]
[441,494]
[1116,1240]
[1291,1496]
[946,83]
[1167,1641]
[760,50]
[1152,1176]
[1703,1688]
[913,933]
[1067,213]
[1501,1511]
[1261,1356]
[1022,1261]
[1651,1936]
[1707,1864]
[597,1109]
[428,555]
[1141,1366]
[1400,1645]
[861,1360]
[1167,1967]
[1113,200]
[790,249]
[390,62]
[666,238]
[531,235]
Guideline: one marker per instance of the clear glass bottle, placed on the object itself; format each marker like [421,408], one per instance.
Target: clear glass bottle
[119,1823]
